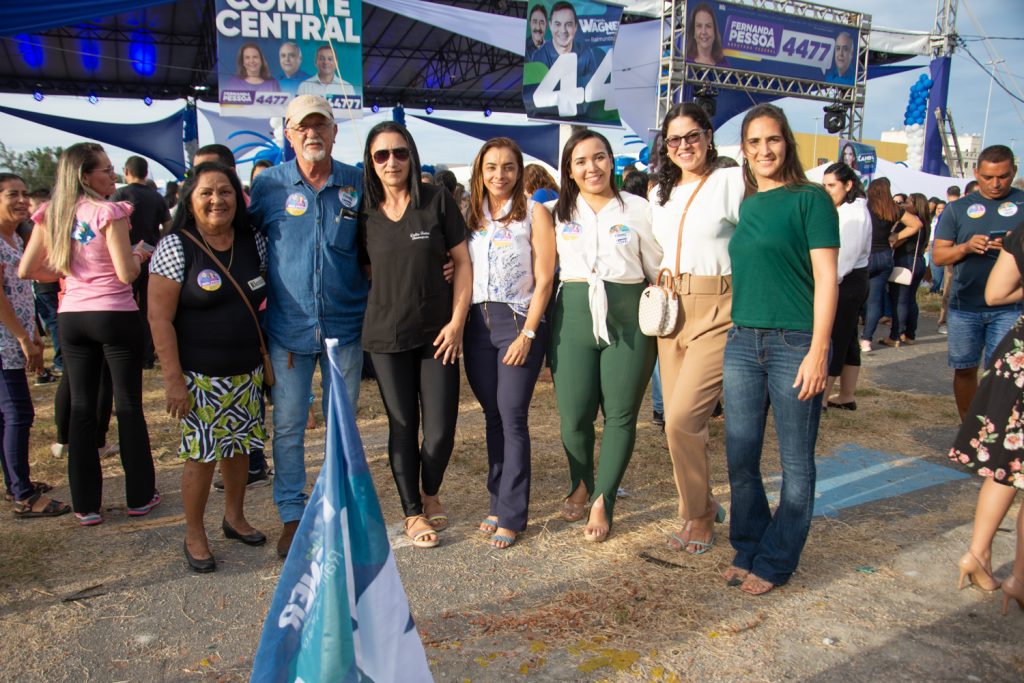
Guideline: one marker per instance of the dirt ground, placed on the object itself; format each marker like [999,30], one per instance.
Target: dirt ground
[874,598]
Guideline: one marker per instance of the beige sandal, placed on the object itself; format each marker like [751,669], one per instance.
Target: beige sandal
[417,536]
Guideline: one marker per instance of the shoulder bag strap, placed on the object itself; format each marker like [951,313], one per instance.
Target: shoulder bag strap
[238,287]
[682,220]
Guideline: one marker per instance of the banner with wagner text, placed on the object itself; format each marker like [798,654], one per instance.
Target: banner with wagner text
[567,75]
[269,51]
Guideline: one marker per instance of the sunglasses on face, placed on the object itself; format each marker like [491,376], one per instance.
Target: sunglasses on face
[691,138]
[381,156]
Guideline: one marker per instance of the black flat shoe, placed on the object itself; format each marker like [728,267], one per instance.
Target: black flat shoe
[248,539]
[852,405]
[200,566]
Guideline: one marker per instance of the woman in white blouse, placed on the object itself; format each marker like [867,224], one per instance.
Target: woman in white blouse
[599,357]
[695,209]
[847,193]
[512,246]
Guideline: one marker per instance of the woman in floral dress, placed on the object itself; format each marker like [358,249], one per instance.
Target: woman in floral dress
[991,440]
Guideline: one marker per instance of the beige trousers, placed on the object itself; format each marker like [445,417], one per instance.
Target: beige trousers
[691,380]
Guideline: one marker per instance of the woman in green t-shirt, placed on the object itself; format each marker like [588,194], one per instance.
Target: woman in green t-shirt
[783,256]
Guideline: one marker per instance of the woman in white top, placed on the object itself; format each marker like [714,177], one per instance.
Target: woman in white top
[599,356]
[512,247]
[697,253]
[847,193]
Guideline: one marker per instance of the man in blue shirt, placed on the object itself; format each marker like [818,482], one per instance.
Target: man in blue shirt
[969,237]
[291,60]
[564,26]
[842,70]
[308,209]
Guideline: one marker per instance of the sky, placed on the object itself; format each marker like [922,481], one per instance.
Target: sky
[885,102]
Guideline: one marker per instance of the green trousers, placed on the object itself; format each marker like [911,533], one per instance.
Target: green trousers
[588,374]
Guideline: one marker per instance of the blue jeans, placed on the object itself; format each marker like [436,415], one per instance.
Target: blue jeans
[291,408]
[879,267]
[760,366]
[16,415]
[656,397]
[46,307]
[904,299]
[938,273]
[971,332]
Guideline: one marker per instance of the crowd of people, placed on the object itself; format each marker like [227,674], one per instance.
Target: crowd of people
[237,294]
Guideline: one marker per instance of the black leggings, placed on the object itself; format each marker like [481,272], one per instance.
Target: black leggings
[411,382]
[104,405]
[86,338]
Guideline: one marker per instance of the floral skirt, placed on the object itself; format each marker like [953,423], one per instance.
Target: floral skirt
[225,419]
[991,440]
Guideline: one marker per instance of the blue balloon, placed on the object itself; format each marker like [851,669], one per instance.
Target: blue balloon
[645,155]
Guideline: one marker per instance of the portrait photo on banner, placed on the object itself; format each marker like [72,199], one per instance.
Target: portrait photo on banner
[567,74]
[266,56]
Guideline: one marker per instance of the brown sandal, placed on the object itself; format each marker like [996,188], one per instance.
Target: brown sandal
[38,486]
[53,508]
[417,537]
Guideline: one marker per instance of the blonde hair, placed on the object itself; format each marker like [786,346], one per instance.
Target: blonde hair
[68,189]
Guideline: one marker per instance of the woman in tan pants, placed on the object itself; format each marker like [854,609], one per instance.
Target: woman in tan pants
[695,209]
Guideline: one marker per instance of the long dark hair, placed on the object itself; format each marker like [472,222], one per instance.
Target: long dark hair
[668,173]
[565,207]
[373,189]
[880,201]
[792,171]
[920,204]
[478,193]
[691,43]
[845,174]
[184,218]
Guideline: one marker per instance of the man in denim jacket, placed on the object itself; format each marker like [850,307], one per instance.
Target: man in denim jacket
[308,209]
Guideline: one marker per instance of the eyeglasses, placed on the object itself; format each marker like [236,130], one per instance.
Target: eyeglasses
[301,129]
[691,138]
[381,156]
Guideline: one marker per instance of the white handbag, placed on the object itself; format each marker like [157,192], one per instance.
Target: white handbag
[905,276]
[659,305]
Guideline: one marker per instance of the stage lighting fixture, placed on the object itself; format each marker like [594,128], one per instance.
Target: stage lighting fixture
[38,96]
[430,110]
[93,99]
[488,112]
[375,108]
[704,97]
[835,118]
[148,101]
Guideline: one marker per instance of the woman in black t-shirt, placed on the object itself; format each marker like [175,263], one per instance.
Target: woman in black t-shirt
[414,319]
[209,348]
[909,244]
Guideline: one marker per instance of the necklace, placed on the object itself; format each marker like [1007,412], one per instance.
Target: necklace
[231,258]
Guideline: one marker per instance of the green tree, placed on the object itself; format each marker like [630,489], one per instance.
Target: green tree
[37,166]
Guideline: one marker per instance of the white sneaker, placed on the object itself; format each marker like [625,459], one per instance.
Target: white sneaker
[865,346]
[59,450]
[943,329]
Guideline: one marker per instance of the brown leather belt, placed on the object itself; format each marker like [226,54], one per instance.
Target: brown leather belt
[703,284]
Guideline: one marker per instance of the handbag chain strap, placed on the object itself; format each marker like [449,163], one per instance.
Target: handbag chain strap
[682,220]
[238,287]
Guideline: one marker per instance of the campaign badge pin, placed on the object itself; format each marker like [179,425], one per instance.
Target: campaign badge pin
[571,231]
[502,238]
[208,280]
[348,196]
[975,210]
[620,233]
[1007,209]
[296,204]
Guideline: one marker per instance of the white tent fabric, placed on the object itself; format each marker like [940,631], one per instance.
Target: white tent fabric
[903,179]
[507,33]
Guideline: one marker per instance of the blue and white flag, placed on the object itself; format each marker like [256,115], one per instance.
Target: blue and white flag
[340,612]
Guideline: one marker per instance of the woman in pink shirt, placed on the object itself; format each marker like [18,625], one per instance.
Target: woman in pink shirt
[84,238]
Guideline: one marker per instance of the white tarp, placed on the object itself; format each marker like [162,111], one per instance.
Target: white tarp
[903,179]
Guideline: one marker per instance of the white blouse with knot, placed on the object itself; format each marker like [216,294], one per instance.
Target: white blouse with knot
[615,244]
[501,254]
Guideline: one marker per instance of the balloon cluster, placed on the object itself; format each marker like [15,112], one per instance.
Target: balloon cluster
[914,120]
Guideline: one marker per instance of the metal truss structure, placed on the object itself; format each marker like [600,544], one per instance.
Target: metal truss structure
[676,74]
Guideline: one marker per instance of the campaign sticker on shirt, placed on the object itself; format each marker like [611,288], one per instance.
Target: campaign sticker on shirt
[1007,209]
[976,211]
[208,280]
[620,233]
[348,196]
[82,232]
[571,231]
[296,204]
[256,283]
[480,232]
[502,238]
